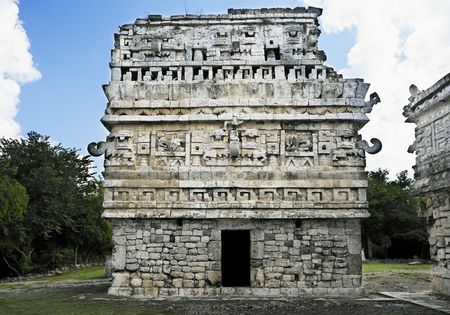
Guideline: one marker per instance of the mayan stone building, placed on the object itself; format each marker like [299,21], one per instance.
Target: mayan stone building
[430,111]
[233,163]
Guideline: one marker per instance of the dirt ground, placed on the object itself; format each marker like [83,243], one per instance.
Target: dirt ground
[398,280]
[91,298]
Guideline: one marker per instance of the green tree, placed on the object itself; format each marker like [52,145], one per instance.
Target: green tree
[63,202]
[13,203]
[90,234]
[13,196]
[394,213]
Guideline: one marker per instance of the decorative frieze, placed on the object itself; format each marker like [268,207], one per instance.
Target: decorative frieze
[235,145]
[226,197]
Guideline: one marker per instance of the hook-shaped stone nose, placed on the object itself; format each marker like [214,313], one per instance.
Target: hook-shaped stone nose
[97,148]
[374,149]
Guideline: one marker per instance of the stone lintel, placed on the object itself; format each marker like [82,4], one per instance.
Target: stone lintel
[208,63]
[236,214]
[226,206]
[184,173]
[109,120]
[246,184]
[212,103]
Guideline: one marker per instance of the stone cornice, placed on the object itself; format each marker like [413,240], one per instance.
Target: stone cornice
[349,213]
[242,15]
[110,120]
[425,100]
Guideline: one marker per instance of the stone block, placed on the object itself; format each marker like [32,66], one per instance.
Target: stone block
[272,283]
[227,291]
[177,283]
[118,257]
[118,239]
[131,267]
[326,276]
[189,276]
[188,283]
[214,277]
[152,292]
[354,264]
[354,245]
[121,279]
[257,250]
[136,282]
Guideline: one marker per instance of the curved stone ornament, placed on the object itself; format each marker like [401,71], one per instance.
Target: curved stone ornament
[414,91]
[377,145]
[97,148]
[374,99]
[412,148]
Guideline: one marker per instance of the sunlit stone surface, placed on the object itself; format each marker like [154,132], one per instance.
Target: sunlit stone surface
[232,122]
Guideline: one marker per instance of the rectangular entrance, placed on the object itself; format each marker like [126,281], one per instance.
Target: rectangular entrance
[235,258]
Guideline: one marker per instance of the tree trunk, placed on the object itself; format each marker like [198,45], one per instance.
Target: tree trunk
[27,263]
[9,266]
[76,255]
[369,248]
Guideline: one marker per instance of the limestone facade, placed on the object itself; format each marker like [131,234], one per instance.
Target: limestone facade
[430,111]
[232,124]
[160,257]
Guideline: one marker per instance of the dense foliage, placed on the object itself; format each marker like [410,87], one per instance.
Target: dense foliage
[394,229]
[51,207]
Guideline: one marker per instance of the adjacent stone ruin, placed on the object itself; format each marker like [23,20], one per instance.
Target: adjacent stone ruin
[430,111]
[233,163]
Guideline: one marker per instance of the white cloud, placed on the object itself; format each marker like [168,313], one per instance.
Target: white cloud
[16,66]
[397,43]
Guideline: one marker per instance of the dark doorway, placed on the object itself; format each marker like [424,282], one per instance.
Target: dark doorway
[235,258]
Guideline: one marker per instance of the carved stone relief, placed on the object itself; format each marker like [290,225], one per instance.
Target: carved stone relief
[122,149]
[226,195]
[346,151]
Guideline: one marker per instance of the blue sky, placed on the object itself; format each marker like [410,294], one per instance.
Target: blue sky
[385,42]
[70,44]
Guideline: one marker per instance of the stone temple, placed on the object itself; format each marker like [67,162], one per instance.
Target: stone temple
[430,111]
[233,163]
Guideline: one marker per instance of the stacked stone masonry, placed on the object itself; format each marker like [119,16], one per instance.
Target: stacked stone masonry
[288,257]
[233,123]
[430,111]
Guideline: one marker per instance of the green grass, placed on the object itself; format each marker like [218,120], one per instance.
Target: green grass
[90,273]
[93,299]
[86,300]
[378,267]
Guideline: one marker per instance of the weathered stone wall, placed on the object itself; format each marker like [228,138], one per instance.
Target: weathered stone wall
[222,121]
[436,208]
[183,257]
[430,111]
